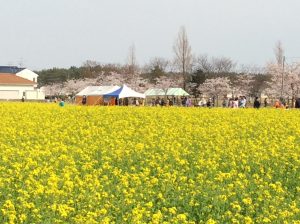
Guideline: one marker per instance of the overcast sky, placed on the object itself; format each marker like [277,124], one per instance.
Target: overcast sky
[61,33]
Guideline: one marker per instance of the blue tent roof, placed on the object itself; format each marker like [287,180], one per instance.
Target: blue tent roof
[10,69]
[115,93]
[124,92]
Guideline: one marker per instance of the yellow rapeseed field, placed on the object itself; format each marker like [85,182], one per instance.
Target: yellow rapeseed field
[148,165]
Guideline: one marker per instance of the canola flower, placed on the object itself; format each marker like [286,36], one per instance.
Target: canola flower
[148,165]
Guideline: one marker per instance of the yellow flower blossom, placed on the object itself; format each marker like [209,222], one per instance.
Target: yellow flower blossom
[148,165]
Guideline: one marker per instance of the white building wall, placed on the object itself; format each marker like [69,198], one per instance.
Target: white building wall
[41,95]
[20,89]
[16,92]
[34,95]
[9,94]
[27,74]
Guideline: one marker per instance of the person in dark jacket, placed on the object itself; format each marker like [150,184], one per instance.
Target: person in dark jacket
[83,100]
[297,103]
[209,103]
[266,102]
[256,103]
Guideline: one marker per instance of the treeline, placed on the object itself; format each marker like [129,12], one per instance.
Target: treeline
[203,68]
[196,74]
[89,69]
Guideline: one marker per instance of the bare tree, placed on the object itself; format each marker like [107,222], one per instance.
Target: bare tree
[183,54]
[250,69]
[155,68]
[89,66]
[279,53]
[222,64]
[215,64]
[160,63]
[131,61]
[204,64]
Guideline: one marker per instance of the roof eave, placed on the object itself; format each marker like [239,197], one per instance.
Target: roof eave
[18,84]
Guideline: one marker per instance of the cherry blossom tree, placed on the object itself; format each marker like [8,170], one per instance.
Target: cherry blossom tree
[285,77]
[216,87]
[285,81]
[242,85]
[72,87]
[166,82]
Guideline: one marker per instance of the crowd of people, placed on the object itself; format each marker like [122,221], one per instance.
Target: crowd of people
[236,102]
[241,102]
[162,101]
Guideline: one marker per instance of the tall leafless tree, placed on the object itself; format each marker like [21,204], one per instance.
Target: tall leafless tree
[279,53]
[131,61]
[183,54]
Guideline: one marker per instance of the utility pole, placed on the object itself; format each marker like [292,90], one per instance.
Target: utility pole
[282,76]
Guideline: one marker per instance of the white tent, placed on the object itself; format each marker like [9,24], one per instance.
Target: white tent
[125,92]
[97,90]
[102,90]
[87,90]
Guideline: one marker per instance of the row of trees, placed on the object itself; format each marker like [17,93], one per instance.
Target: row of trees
[213,76]
[281,79]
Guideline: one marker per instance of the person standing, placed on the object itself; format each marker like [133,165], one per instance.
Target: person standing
[157,102]
[83,100]
[243,102]
[266,102]
[230,103]
[235,103]
[209,103]
[225,102]
[203,102]
[256,103]
[297,103]
[188,102]
[136,102]
[61,103]
[168,102]
[184,101]
[277,104]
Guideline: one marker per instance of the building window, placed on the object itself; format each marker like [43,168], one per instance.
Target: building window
[34,79]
